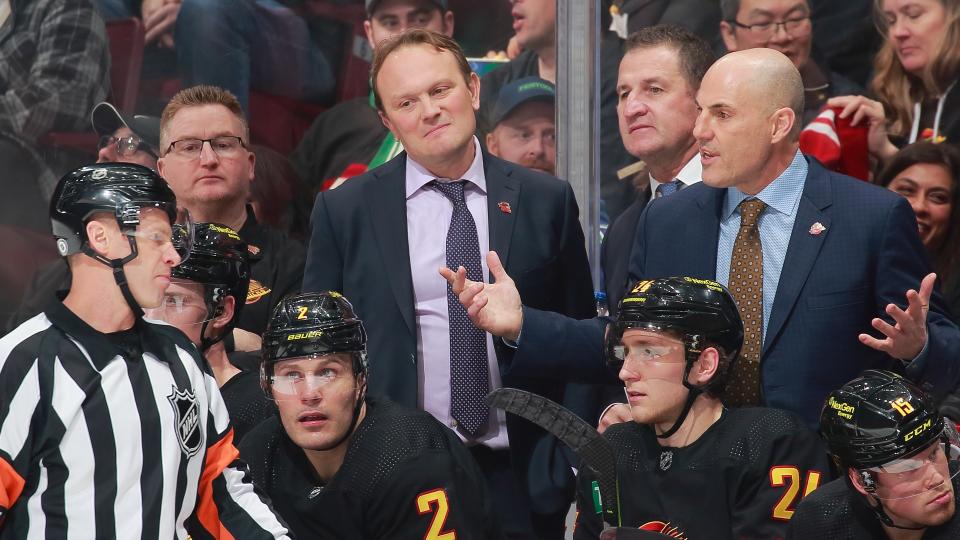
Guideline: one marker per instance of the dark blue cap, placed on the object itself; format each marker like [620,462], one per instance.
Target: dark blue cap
[521,91]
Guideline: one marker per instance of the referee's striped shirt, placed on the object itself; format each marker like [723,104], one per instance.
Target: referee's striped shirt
[97,444]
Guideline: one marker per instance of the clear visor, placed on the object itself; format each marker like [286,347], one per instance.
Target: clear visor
[183,304]
[180,238]
[296,378]
[631,352]
[929,470]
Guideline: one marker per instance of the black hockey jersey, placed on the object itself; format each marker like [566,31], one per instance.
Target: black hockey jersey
[404,476]
[836,511]
[740,480]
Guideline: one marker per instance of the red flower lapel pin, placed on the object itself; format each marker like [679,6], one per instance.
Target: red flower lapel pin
[504,207]
[817,228]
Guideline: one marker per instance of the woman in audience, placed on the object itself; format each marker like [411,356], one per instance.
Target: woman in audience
[915,77]
[926,174]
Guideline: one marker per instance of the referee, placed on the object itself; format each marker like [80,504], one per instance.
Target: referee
[111,426]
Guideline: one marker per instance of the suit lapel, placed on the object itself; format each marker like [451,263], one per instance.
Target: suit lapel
[802,250]
[388,216]
[503,196]
[705,226]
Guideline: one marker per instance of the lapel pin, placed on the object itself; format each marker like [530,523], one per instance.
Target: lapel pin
[817,228]
[504,207]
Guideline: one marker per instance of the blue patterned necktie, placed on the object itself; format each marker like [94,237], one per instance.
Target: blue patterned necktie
[668,188]
[469,377]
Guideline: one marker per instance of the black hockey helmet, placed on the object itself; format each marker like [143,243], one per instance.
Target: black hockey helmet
[314,323]
[883,423]
[698,311]
[877,418]
[218,260]
[119,189]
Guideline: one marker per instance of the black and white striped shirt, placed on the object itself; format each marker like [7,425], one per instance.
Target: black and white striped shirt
[96,442]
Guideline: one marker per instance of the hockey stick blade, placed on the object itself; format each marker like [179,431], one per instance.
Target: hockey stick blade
[581,437]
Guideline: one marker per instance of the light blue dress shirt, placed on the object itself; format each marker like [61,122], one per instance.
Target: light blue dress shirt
[782,197]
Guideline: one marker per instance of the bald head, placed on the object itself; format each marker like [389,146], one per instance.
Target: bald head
[749,124]
[766,78]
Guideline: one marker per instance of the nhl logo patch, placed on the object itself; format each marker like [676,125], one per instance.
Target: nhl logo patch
[186,417]
[666,460]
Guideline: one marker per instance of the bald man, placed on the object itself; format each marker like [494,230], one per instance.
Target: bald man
[828,272]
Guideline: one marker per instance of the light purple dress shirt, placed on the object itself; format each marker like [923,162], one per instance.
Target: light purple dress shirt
[428,220]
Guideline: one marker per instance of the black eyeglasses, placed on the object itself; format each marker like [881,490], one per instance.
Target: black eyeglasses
[795,26]
[225,146]
[126,146]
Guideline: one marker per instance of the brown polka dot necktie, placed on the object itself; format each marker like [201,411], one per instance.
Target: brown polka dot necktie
[746,286]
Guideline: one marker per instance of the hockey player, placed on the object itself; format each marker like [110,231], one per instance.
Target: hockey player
[899,463]
[110,425]
[687,467]
[339,464]
[206,294]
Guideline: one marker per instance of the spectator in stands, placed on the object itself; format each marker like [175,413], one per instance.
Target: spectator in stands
[524,130]
[915,76]
[235,44]
[125,138]
[205,159]
[54,69]
[928,175]
[534,22]
[785,26]
[276,194]
[350,139]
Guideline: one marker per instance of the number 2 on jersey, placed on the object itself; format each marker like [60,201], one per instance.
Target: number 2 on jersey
[435,501]
[783,475]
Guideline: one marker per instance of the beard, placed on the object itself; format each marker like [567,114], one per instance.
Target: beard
[539,164]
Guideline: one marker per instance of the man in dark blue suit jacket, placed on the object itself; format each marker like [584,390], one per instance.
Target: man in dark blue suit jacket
[374,239]
[849,252]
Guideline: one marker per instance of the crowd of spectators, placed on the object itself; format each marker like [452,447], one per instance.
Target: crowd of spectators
[447,158]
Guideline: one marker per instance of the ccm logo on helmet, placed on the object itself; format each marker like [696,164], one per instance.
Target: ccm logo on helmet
[919,429]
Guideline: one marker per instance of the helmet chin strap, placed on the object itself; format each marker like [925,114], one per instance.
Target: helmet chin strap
[884,518]
[118,275]
[692,394]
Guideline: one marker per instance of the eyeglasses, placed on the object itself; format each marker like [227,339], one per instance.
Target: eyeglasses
[227,146]
[796,27]
[126,146]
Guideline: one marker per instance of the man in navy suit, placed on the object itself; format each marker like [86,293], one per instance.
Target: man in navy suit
[381,237]
[836,253]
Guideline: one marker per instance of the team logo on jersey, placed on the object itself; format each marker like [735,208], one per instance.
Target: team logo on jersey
[664,528]
[666,459]
[186,416]
[256,291]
